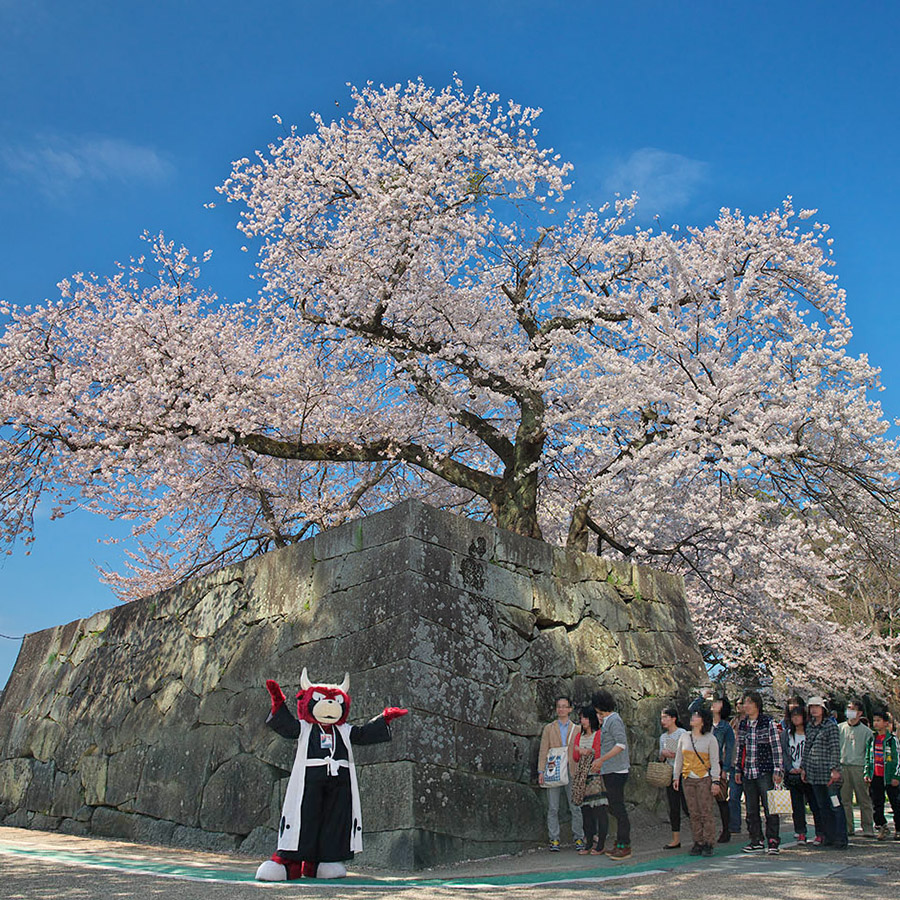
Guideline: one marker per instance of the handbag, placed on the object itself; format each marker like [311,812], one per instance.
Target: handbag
[724,782]
[778,801]
[594,786]
[659,774]
[579,779]
[556,770]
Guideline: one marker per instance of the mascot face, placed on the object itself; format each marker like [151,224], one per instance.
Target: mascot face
[326,704]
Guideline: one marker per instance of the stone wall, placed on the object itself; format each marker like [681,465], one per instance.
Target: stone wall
[146,721]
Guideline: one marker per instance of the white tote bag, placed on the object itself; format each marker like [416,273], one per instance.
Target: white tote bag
[556,771]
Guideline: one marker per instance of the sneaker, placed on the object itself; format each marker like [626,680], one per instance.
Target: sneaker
[754,847]
[882,833]
[773,846]
[554,846]
[818,841]
[579,843]
[707,849]
[800,838]
[725,836]
[620,851]
[696,850]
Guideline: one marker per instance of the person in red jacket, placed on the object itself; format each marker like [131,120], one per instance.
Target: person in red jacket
[594,806]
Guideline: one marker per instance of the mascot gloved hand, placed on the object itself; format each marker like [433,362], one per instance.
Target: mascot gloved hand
[321,825]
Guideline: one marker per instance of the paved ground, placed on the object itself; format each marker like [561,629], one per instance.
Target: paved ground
[40,866]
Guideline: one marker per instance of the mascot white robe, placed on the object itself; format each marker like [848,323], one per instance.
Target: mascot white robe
[321,820]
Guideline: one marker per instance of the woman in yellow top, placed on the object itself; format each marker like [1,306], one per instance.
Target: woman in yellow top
[697,773]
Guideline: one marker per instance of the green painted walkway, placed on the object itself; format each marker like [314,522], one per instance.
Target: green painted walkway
[800,863]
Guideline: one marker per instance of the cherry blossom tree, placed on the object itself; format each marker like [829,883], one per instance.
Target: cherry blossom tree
[438,320]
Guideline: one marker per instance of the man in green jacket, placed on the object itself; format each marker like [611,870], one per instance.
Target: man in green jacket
[882,772]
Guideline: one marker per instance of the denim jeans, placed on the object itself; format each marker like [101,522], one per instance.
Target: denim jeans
[831,813]
[755,790]
[553,797]
[734,805]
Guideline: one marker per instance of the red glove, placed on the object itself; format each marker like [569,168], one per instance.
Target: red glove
[393,712]
[277,695]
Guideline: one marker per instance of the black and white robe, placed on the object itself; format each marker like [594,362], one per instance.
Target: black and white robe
[321,819]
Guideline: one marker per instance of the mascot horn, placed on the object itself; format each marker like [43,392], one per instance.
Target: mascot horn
[320,825]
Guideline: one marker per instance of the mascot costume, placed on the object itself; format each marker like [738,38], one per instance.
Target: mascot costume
[320,825]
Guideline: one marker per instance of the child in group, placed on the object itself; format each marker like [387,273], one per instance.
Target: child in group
[882,773]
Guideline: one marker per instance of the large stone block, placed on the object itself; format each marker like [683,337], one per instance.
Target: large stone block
[550,654]
[147,721]
[516,709]
[15,777]
[236,796]
[595,648]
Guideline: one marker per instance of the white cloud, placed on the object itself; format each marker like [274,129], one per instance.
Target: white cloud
[664,181]
[58,164]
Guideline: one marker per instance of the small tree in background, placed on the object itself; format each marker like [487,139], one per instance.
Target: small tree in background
[436,320]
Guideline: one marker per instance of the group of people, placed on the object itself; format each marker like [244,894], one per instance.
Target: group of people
[600,737]
[820,764]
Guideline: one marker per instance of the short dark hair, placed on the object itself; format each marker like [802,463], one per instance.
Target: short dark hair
[589,713]
[726,706]
[564,697]
[856,704]
[882,713]
[672,713]
[603,701]
[705,713]
[754,697]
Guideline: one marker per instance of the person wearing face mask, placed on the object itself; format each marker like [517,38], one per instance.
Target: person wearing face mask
[854,737]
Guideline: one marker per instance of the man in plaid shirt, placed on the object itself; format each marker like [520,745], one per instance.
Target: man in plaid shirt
[759,768]
[821,769]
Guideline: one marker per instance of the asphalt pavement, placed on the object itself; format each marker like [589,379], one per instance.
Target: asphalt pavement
[38,865]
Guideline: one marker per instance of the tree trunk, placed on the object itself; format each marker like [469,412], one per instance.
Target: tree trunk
[515,506]
[577,539]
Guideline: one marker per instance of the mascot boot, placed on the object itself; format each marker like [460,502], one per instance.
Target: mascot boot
[331,870]
[279,869]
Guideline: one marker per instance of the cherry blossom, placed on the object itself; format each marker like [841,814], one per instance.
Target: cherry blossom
[438,320]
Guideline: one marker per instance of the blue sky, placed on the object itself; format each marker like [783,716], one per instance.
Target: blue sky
[116,117]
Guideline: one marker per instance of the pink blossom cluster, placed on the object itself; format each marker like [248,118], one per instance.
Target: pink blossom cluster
[437,320]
